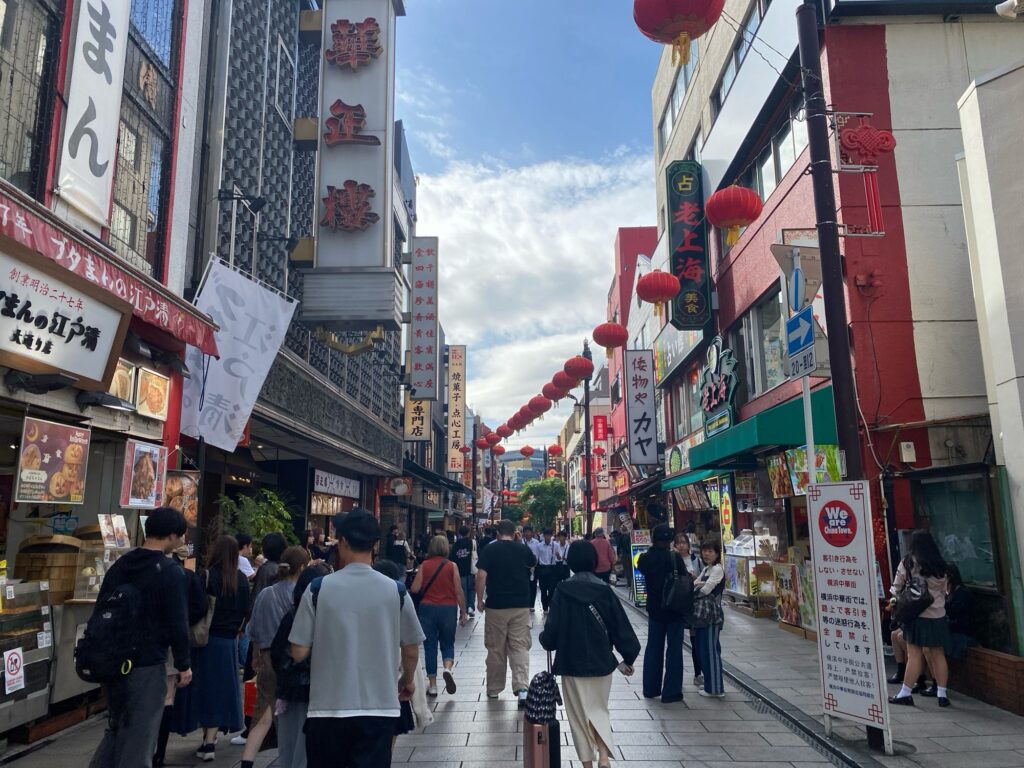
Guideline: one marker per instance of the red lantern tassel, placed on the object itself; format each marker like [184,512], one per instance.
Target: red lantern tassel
[732,235]
[681,49]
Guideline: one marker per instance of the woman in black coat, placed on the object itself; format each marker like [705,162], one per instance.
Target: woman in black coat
[585,622]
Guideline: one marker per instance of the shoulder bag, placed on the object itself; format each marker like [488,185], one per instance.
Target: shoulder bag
[199,633]
[677,595]
[914,599]
[417,597]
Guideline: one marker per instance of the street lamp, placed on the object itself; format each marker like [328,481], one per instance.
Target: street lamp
[588,489]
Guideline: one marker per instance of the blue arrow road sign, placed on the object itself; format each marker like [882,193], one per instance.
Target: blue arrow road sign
[800,331]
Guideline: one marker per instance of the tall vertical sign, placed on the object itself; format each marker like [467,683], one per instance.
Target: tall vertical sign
[423,340]
[87,159]
[456,408]
[688,245]
[417,420]
[641,421]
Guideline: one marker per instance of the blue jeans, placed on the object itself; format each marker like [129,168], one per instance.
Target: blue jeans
[469,588]
[438,622]
[658,660]
[243,649]
[709,648]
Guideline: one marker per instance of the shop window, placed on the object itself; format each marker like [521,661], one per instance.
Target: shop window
[766,177]
[693,400]
[153,21]
[28,57]
[616,389]
[955,510]
[771,329]
[678,404]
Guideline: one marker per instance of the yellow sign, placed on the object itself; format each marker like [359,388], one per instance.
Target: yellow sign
[417,420]
[726,512]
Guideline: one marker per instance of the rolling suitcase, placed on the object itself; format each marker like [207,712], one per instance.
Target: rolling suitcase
[542,744]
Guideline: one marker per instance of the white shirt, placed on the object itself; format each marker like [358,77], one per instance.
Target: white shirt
[546,553]
[246,567]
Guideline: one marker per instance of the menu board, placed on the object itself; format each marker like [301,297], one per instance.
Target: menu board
[53,462]
[640,542]
[145,470]
[778,476]
[787,600]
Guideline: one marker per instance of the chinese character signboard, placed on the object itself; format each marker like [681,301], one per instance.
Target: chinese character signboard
[688,246]
[417,420]
[456,407]
[145,471]
[600,429]
[53,321]
[424,332]
[641,425]
[218,399]
[718,388]
[52,463]
[849,629]
[335,485]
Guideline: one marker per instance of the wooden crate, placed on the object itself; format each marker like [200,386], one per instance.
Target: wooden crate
[53,559]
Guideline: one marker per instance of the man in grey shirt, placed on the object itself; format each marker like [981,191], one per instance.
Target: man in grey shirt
[360,632]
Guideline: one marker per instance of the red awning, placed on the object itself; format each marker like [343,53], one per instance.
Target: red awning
[26,222]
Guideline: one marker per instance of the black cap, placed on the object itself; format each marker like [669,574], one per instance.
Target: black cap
[663,533]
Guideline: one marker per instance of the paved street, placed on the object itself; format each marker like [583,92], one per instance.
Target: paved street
[740,731]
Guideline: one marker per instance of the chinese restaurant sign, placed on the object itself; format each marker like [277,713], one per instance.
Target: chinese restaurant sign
[335,485]
[688,246]
[456,407]
[600,429]
[718,388]
[58,322]
[93,111]
[52,463]
[849,629]
[417,420]
[145,472]
[641,426]
[424,330]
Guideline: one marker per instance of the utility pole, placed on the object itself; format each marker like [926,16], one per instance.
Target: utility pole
[588,491]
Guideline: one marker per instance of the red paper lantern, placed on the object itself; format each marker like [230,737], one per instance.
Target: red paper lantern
[493,438]
[539,405]
[527,451]
[482,444]
[564,381]
[465,449]
[497,450]
[552,473]
[506,493]
[610,336]
[504,431]
[579,367]
[676,22]
[733,208]
[551,392]
[658,287]
[554,450]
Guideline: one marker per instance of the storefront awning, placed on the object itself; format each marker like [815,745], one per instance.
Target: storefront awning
[434,480]
[781,426]
[688,478]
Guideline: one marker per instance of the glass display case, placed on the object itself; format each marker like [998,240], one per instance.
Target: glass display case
[26,641]
[93,562]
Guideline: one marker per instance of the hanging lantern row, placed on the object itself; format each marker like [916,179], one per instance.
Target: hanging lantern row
[733,208]
[658,288]
[493,438]
[527,451]
[497,450]
[482,443]
[555,450]
[464,450]
[676,22]
[579,368]
[553,393]
[563,381]
[610,336]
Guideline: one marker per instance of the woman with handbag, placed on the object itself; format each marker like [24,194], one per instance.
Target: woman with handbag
[708,618]
[437,590]
[585,623]
[920,591]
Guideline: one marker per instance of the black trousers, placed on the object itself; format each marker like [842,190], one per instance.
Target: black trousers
[349,742]
[548,577]
[533,588]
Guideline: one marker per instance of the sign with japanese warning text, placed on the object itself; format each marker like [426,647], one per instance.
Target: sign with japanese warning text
[456,407]
[849,627]
[93,113]
[641,416]
[424,332]
[688,245]
[417,420]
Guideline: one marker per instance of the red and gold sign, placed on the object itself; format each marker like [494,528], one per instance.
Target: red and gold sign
[354,44]
[347,208]
[346,124]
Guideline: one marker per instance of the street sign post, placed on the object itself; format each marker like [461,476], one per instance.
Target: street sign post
[800,343]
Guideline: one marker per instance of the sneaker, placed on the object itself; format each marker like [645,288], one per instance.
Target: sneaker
[521,695]
[698,680]
[707,695]
[206,753]
[239,740]
[431,690]
[492,695]
[471,614]
[449,682]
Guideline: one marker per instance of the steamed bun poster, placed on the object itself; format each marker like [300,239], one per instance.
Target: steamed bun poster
[52,463]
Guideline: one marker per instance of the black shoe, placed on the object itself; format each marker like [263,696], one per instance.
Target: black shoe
[897,676]
[920,687]
[671,699]
[651,695]
[943,701]
[906,701]
[931,691]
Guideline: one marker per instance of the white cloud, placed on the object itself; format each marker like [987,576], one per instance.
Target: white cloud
[527,257]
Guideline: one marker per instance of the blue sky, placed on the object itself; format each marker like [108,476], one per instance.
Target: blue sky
[530,128]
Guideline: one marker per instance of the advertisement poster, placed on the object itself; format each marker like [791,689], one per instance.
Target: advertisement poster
[152,396]
[787,601]
[778,476]
[181,491]
[114,532]
[726,511]
[827,471]
[53,462]
[639,542]
[123,383]
[145,470]
[849,637]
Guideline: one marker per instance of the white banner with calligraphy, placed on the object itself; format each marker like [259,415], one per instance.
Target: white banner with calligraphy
[253,320]
[849,626]
[335,485]
[456,408]
[93,114]
[641,414]
[423,340]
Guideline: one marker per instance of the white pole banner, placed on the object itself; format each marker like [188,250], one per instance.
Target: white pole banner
[253,321]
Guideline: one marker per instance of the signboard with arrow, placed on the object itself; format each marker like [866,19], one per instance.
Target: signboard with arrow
[800,343]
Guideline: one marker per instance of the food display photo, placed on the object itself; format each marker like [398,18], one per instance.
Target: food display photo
[52,463]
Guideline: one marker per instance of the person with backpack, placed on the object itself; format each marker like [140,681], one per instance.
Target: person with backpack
[464,556]
[709,586]
[438,590]
[663,657]
[586,621]
[214,701]
[140,612]
[926,632]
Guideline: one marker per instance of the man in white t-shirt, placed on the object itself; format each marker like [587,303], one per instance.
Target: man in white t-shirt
[244,553]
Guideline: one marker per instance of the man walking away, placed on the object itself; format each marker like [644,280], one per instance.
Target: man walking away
[530,540]
[503,575]
[664,627]
[605,556]
[462,556]
[135,701]
[360,631]
[547,568]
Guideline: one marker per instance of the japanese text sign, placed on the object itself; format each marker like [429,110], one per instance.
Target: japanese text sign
[456,407]
[55,323]
[53,462]
[145,471]
[718,388]
[218,399]
[93,111]
[641,421]
[688,245]
[417,420]
[849,630]
[600,429]
[424,332]
[335,485]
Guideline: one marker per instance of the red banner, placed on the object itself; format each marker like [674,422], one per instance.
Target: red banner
[150,302]
[600,429]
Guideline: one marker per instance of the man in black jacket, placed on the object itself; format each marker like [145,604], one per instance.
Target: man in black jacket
[136,701]
[663,626]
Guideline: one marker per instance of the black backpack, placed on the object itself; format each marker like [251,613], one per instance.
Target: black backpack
[113,634]
[677,594]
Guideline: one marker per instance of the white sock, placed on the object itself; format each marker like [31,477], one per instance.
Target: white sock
[904,691]
[941,691]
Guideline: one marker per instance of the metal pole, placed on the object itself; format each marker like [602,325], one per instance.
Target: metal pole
[587,488]
[476,497]
[199,545]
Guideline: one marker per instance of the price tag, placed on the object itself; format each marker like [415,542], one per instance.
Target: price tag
[45,610]
[44,586]
[10,593]
[92,581]
[44,639]
[107,555]
[47,626]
